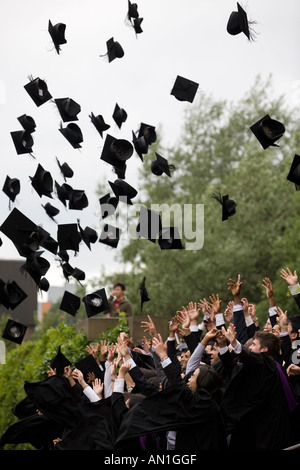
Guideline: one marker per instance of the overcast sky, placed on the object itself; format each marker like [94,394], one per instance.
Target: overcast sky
[186,38]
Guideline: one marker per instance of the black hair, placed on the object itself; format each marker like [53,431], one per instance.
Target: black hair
[120,284]
[294,321]
[134,399]
[209,379]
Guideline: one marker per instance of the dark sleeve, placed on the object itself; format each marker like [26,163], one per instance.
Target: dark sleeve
[142,360]
[286,348]
[297,299]
[229,362]
[142,385]
[251,330]
[173,374]
[240,325]
[193,339]
[250,357]
[118,410]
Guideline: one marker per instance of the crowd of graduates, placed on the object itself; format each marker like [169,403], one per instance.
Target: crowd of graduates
[220,380]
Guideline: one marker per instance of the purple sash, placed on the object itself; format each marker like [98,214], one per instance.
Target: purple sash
[287,389]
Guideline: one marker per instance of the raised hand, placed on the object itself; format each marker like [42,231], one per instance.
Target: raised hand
[160,347]
[125,367]
[245,305]
[174,323]
[215,303]
[98,387]
[235,286]
[230,334]
[193,311]
[93,350]
[282,319]
[51,371]
[228,314]
[290,278]
[267,284]
[146,344]
[103,348]
[111,352]
[184,318]
[122,347]
[205,307]
[149,326]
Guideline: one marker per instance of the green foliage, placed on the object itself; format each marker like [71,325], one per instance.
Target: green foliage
[111,334]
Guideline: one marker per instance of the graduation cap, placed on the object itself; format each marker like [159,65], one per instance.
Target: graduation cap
[11,294]
[114,50]
[23,141]
[45,240]
[160,166]
[14,331]
[88,235]
[143,293]
[68,271]
[68,237]
[63,192]
[294,172]
[37,266]
[149,224]
[110,235]
[57,33]
[65,169]
[73,134]
[132,10]
[95,303]
[64,255]
[137,25]
[42,182]
[88,365]
[78,199]
[70,303]
[99,123]
[123,190]
[18,228]
[38,91]
[267,131]
[11,187]
[68,109]
[119,115]
[148,132]
[27,122]
[116,151]
[238,22]
[228,205]
[184,89]
[108,205]
[169,239]
[59,362]
[50,210]
[140,145]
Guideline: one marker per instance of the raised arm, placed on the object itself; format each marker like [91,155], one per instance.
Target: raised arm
[238,311]
[292,282]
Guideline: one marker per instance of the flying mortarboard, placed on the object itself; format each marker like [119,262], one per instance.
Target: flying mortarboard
[99,123]
[42,182]
[59,362]
[228,205]
[23,141]
[65,169]
[38,91]
[119,115]
[116,151]
[11,187]
[123,191]
[184,89]
[57,33]
[68,109]
[267,131]
[169,239]
[88,235]
[73,134]
[96,302]
[27,122]
[88,365]
[37,266]
[294,172]
[78,199]
[18,228]
[140,145]
[160,166]
[149,224]
[11,294]
[110,235]
[137,25]
[68,237]
[70,303]
[108,205]
[51,211]
[14,331]
[238,22]
[132,10]
[148,132]
[114,50]
[68,271]
[143,293]
[63,192]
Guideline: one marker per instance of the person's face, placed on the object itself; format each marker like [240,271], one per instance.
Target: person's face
[118,292]
[293,336]
[256,346]
[192,382]
[184,359]
[268,326]
[214,354]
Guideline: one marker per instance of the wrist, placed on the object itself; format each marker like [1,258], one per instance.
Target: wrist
[127,357]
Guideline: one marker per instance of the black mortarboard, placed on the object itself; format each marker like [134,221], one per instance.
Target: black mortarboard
[116,151]
[27,122]
[114,50]
[68,271]
[59,362]
[36,267]
[65,169]
[267,131]
[57,33]
[78,199]
[89,365]
[11,187]
[169,239]
[14,331]
[119,115]
[160,166]
[108,205]
[38,91]
[73,134]
[132,10]
[149,224]
[123,190]
[68,109]
[137,25]
[238,22]
[184,89]
[96,302]
[140,145]
[148,132]
[11,294]
[88,235]
[51,211]
[228,205]
[63,192]
[99,123]
[45,239]
[68,237]
[23,141]
[42,182]
[64,255]
[18,228]
[143,293]
[294,172]
[70,303]
[110,235]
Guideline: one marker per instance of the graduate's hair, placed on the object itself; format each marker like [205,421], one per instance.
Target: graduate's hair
[134,399]
[120,284]
[148,373]
[209,379]
[294,321]
[270,341]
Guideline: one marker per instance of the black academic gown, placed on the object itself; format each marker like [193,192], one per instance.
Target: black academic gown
[254,407]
